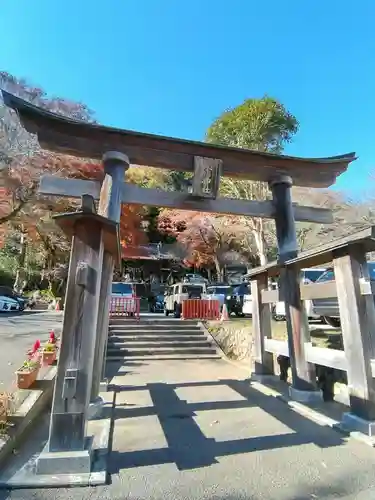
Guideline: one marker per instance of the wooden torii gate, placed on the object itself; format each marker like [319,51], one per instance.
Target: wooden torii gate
[95,245]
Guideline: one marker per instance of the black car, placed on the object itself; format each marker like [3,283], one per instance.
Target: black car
[235,300]
[6,291]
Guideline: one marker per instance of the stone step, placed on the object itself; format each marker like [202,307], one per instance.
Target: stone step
[165,323]
[140,332]
[147,351]
[149,324]
[156,338]
[162,357]
[147,345]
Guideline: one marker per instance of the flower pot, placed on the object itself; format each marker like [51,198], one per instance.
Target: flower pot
[48,357]
[25,378]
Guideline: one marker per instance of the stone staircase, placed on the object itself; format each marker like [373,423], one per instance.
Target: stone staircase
[162,338]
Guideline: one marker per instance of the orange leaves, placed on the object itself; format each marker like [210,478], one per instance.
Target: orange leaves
[204,236]
[131,232]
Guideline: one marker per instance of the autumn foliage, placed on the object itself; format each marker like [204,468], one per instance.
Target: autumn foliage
[205,237]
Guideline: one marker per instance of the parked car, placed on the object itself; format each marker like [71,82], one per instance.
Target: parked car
[220,292]
[310,275]
[328,309]
[235,301]
[7,304]
[8,292]
[175,294]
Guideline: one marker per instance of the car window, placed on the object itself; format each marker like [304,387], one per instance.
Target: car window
[327,276]
[312,274]
[191,289]
[123,288]
[222,290]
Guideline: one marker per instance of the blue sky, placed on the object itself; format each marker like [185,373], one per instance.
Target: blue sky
[171,66]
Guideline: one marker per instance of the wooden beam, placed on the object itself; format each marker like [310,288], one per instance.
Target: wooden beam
[87,140]
[332,358]
[321,254]
[56,186]
[324,290]
[261,319]
[276,346]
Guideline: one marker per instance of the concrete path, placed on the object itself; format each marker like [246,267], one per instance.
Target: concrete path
[18,332]
[196,429]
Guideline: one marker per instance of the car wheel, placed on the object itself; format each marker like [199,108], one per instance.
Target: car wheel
[334,322]
[277,317]
[240,315]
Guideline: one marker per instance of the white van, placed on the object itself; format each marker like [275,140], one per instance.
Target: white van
[307,276]
[175,294]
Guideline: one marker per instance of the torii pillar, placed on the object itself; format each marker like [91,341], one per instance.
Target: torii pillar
[303,373]
[95,243]
[115,165]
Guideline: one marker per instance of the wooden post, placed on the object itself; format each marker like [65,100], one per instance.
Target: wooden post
[115,166]
[75,368]
[303,373]
[357,313]
[263,361]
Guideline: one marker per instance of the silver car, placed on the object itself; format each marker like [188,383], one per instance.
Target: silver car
[328,308]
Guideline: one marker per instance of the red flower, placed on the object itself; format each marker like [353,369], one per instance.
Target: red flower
[36,346]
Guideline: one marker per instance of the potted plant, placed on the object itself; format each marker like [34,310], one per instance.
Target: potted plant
[50,349]
[49,353]
[27,374]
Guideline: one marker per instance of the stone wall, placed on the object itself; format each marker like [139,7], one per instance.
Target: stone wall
[235,340]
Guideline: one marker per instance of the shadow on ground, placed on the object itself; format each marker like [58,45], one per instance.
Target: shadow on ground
[189,448]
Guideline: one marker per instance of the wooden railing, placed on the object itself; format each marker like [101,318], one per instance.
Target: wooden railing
[354,292]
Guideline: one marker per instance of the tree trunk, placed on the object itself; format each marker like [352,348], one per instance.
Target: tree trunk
[219,271]
[260,243]
[20,273]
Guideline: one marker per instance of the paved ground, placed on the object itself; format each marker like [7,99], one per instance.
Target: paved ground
[17,335]
[196,429]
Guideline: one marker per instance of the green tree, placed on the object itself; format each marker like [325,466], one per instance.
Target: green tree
[262,125]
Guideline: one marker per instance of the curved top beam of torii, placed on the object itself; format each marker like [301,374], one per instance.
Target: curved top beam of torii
[87,140]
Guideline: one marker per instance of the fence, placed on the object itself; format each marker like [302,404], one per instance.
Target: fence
[200,309]
[125,307]
[354,291]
